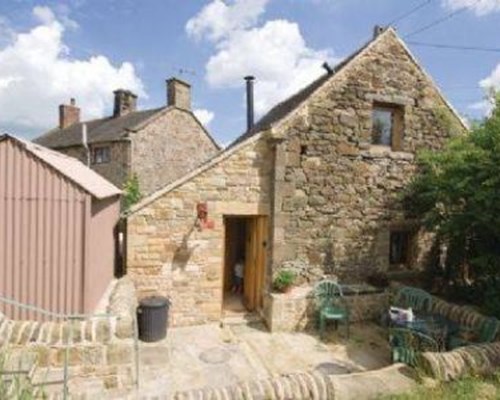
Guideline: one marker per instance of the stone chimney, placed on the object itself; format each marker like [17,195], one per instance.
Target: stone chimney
[69,114]
[125,102]
[178,94]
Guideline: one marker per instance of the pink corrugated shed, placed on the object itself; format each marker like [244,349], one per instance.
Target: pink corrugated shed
[72,168]
[56,230]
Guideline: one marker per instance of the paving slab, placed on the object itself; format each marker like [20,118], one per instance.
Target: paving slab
[198,357]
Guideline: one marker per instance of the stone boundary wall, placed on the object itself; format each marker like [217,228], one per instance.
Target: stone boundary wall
[96,330]
[100,349]
[297,310]
[464,315]
[482,359]
[394,379]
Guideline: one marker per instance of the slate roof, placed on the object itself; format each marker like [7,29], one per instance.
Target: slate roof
[70,167]
[101,130]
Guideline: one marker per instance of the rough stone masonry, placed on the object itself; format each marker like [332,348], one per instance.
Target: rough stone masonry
[331,195]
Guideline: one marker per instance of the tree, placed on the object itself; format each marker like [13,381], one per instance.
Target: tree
[456,194]
[132,192]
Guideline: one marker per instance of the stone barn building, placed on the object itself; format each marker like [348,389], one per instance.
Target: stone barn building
[313,186]
[157,145]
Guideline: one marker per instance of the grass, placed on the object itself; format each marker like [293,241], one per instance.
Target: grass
[470,388]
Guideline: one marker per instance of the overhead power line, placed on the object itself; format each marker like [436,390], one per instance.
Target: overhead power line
[441,20]
[455,47]
[409,12]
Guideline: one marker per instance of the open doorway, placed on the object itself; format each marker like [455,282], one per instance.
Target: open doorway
[235,252]
[244,263]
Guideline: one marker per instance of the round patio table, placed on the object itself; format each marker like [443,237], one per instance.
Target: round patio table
[434,325]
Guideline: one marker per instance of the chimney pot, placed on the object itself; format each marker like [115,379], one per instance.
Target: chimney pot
[125,102]
[69,114]
[178,93]
[327,68]
[250,104]
[377,30]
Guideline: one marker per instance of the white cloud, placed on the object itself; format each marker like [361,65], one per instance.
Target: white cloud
[480,7]
[44,15]
[217,19]
[274,52]
[490,85]
[204,116]
[492,81]
[38,74]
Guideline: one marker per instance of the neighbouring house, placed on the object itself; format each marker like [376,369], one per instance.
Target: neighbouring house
[157,145]
[57,242]
[314,186]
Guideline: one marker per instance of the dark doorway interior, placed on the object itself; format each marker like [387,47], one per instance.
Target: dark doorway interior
[235,249]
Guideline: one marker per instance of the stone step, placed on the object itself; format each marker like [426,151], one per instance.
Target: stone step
[240,319]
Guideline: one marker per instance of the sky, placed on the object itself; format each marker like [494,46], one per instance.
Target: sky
[51,51]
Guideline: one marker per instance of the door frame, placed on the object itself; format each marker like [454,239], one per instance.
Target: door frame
[256,242]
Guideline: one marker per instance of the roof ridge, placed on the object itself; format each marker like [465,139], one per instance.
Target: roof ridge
[305,92]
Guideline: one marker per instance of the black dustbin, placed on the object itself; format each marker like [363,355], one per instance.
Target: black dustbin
[152,318]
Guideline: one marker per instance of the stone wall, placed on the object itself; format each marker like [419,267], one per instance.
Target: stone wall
[297,310]
[474,360]
[116,171]
[168,255]
[101,349]
[392,380]
[337,197]
[163,150]
[169,147]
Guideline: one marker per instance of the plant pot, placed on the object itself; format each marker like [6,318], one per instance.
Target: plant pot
[285,289]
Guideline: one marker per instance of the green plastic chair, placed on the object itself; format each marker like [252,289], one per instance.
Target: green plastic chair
[486,332]
[407,344]
[419,300]
[331,305]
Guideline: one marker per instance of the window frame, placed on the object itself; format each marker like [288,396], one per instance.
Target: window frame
[397,124]
[103,159]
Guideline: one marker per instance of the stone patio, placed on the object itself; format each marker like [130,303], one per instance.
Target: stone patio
[210,356]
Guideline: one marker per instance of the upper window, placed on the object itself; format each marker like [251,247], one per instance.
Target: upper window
[387,126]
[101,155]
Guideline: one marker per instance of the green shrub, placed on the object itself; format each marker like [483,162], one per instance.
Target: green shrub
[132,192]
[455,195]
[284,280]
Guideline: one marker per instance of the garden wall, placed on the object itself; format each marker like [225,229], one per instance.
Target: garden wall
[296,310]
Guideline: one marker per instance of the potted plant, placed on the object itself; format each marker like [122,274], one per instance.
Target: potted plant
[284,280]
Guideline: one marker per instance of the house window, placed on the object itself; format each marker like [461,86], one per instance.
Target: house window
[387,129]
[101,155]
[399,247]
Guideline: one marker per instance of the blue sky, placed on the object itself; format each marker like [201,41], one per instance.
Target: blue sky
[53,50]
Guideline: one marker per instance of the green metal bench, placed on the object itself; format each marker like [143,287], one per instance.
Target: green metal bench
[484,333]
[331,305]
[419,300]
[406,344]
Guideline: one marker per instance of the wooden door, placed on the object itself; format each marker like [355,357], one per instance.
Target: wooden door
[255,261]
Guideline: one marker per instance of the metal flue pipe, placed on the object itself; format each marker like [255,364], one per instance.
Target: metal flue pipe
[250,106]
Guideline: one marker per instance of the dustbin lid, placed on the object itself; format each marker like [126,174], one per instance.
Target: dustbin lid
[154,302]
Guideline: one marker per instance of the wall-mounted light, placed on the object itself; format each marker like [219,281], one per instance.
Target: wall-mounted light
[202,220]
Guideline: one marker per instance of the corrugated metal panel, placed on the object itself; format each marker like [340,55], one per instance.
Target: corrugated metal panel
[72,168]
[42,224]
